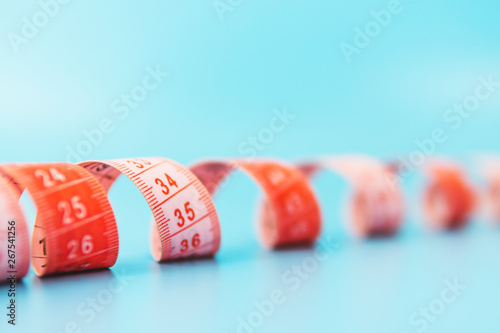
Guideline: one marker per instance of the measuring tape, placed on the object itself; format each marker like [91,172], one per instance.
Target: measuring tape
[377,205]
[75,228]
[448,199]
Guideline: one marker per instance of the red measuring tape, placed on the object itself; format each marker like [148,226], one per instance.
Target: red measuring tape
[75,228]
[377,205]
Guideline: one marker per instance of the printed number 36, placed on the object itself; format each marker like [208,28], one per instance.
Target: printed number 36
[194,243]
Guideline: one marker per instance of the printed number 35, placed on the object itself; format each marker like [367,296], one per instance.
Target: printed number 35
[189,213]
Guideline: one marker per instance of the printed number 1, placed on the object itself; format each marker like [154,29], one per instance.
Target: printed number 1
[44,242]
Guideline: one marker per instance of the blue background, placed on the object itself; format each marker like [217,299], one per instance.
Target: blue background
[226,76]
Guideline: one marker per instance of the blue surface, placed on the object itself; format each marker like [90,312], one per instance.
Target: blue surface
[225,78]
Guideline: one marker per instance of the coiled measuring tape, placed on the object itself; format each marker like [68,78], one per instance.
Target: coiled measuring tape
[377,205]
[75,228]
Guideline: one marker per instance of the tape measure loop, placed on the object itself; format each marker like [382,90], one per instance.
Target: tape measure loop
[185,220]
[289,214]
[448,199]
[376,207]
[75,228]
